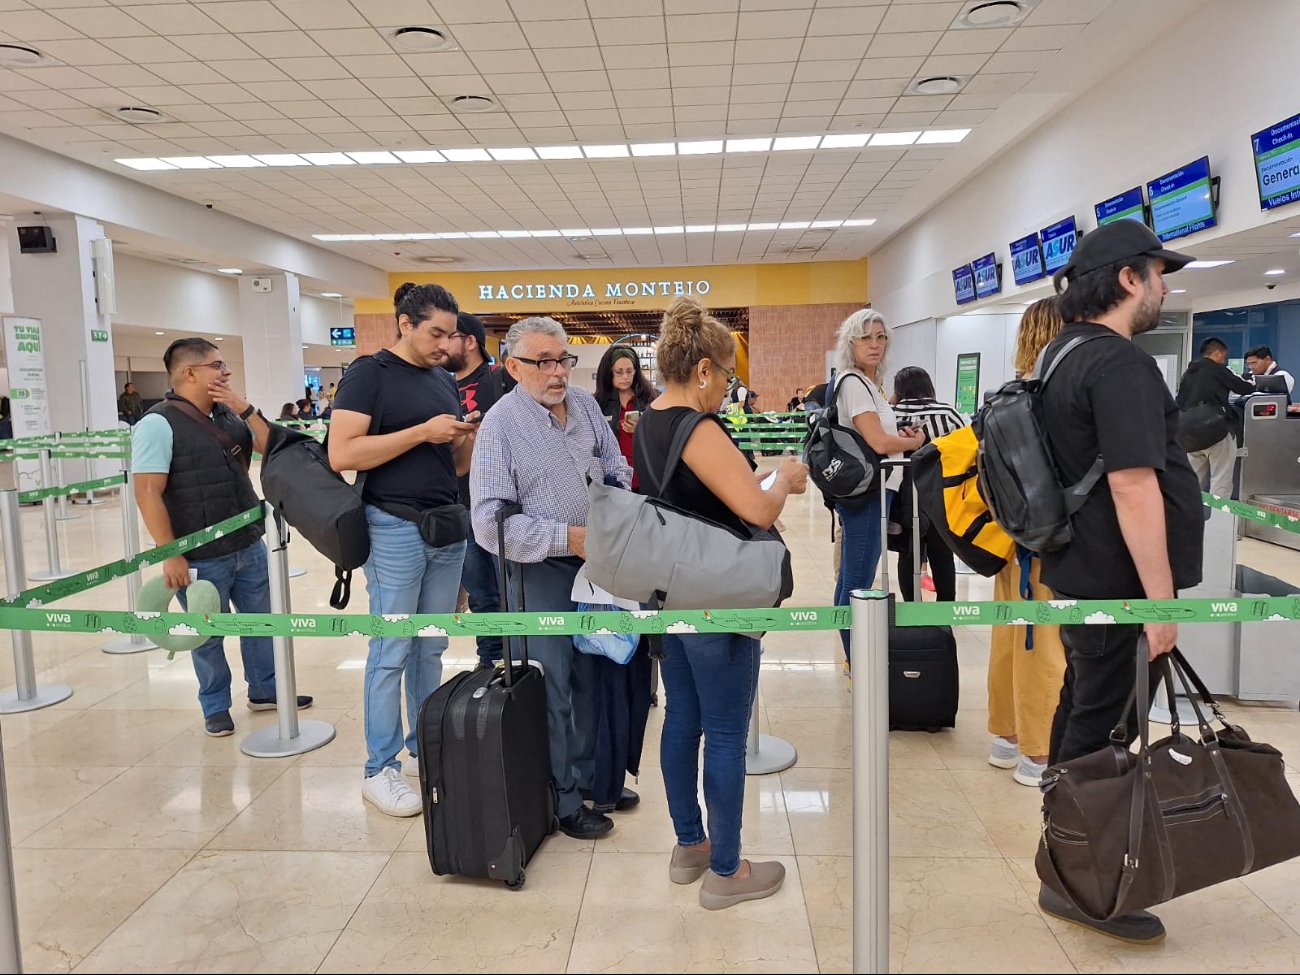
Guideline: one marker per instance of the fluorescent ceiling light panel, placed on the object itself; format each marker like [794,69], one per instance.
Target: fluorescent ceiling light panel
[420,155]
[795,224]
[699,148]
[330,294]
[392,236]
[231,270]
[515,233]
[329,159]
[382,158]
[1203,265]
[788,142]
[606,232]
[1275,271]
[654,149]
[236,162]
[576,232]
[700,228]
[749,145]
[942,136]
[1179,291]
[637,231]
[466,155]
[670,230]
[281,159]
[146,165]
[512,155]
[853,141]
[454,235]
[191,162]
[559,152]
[763,226]
[730,228]
[605,152]
[423,236]
[826,224]
[545,233]
[482,234]
[894,138]
[860,223]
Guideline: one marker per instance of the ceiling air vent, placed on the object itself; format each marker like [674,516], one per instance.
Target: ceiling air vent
[982,14]
[422,40]
[472,103]
[21,56]
[937,85]
[138,114]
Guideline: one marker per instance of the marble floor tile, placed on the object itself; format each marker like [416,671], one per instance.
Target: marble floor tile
[38,794]
[823,737]
[929,815]
[806,686]
[242,912]
[194,747]
[828,896]
[1010,812]
[413,921]
[819,802]
[157,808]
[662,928]
[102,737]
[70,900]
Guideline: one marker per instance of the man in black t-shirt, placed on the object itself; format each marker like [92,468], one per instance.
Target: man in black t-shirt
[1139,533]
[480,384]
[397,419]
[1208,382]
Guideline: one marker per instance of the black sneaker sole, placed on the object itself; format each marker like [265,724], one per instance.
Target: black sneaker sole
[1097,928]
[223,733]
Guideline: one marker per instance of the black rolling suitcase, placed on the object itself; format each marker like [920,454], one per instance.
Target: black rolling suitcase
[923,684]
[485,765]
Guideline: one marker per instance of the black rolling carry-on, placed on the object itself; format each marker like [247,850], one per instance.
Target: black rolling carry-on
[485,764]
[923,683]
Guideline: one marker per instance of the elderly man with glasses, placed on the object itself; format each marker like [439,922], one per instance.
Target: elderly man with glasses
[537,451]
[190,455]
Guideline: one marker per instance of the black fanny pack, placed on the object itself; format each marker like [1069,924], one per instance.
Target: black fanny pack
[440,526]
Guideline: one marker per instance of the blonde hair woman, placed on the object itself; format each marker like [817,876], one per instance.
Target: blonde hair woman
[1026,664]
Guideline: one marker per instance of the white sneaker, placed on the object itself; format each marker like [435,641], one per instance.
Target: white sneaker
[389,793]
[1003,753]
[1029,772]
[411,767]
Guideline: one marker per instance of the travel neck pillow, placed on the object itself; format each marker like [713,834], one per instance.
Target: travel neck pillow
[156,597]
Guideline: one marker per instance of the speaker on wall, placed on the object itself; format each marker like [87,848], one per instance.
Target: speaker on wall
[36,240]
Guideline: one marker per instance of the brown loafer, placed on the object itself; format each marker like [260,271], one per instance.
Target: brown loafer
[764,880]
[688,865]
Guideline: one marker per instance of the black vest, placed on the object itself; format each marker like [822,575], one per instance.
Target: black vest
[205,484]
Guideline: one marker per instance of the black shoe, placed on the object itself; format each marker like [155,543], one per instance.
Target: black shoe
[219,725]
[625,802]
[485,665]
[585,824]
[1138,928]
[268,703]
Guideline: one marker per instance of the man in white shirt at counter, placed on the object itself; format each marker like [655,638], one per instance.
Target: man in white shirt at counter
[1259,361]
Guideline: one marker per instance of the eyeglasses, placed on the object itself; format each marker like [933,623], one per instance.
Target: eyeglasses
[216,364]
[732,379]
[565,363]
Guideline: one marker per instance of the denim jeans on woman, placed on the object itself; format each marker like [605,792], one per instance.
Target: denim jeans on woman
[860,550]
[710,681]
[403,575]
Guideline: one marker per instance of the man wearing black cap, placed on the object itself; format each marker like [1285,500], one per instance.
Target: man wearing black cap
[481,385]
[1138,535]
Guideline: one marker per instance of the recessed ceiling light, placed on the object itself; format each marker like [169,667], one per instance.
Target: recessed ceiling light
[983,14]
[1179,291]
[937,85]
[138,114]
[855,141]
[1202,265]
[236,162]
[421,40]
[381,158]
[604,152]
[466,155]
[20,56]
[559,152]
[894,138]
[330,294]
[159,333]
[281,159]
[231,270]
[420,155]
[439,259]
[472,103]
[654,149]
[329,159]
[786,143]
[508,155]
[146,164]
[703,147]
[220,338]
[749,145]
[942,136]
[1272,272]
[1295,235]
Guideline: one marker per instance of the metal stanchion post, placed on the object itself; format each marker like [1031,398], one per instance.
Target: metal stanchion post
[64,513]
[11,955]
[289,736]
[27,695]
[130,548]
[766,754]
[51,526]
[869,640]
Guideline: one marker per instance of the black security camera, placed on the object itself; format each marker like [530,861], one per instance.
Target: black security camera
[207,206]
[1270,287]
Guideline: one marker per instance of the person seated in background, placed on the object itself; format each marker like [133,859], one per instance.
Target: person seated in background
[304,409]
[288,412]
[796,401]
[130,407]
[623,392]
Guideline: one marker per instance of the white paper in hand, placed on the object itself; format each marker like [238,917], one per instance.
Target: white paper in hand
[767,482]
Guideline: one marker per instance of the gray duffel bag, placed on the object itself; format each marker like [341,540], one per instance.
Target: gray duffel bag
[641,547]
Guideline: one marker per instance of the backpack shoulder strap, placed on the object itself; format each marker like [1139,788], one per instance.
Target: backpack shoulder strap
[675,451]
[190,411]
[1066,349]
[1077,493]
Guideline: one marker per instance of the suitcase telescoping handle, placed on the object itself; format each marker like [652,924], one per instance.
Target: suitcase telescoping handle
[904,465]
[504,512]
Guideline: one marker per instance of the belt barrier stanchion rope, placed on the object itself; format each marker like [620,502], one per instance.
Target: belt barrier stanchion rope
[48,503]
[136,642]
[289,736]
[869,642]
[27,695]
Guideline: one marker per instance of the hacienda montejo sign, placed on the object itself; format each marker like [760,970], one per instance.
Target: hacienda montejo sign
[612,290]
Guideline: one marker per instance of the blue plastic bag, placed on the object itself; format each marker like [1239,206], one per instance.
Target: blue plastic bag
[618,647]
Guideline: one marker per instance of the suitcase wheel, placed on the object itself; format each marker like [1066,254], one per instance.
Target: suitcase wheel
[518,883]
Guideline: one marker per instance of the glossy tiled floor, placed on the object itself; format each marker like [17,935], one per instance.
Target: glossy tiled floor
[142,845]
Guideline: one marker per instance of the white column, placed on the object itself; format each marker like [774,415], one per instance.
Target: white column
[271,323]
[59,289]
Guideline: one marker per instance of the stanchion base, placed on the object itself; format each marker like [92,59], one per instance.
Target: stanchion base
[295,573]
[92,501]
[267,743]
[70,516]
[47,576]
[774,755]
[1186,712]
[129,644]
[46,694]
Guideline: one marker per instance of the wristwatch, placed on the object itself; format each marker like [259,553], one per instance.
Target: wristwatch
[248,412]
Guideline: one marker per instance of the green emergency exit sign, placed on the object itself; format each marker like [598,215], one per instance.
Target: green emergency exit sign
[98,335]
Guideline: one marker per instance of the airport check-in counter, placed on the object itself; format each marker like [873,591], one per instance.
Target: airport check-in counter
[1270,464]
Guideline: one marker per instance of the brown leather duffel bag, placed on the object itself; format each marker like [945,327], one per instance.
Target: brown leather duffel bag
[1125,831]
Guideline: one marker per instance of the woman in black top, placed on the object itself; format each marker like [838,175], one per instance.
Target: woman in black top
[623,393]
[710,679]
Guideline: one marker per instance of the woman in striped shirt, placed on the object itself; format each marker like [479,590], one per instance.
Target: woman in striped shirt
[916,407]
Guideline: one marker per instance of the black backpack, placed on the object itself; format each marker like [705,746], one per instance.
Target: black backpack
[840,462]
[1018,478]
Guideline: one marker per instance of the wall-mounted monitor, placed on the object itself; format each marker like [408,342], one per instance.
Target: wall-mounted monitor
[988,276]
[1126,206]
[963,283]
[1277,163]
[1182,202]
[1027,259]
[1058,244]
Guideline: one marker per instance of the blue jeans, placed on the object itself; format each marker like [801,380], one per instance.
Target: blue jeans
[479,577]
[403,575]
[860,551]
[710,681]
[241,579]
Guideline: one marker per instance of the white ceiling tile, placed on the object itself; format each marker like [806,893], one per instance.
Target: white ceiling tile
[764,51]
[276,90]
[559,33]
[548,9]
[825,71]
[904,17]
[834,48]
[312,69]
[47,100]
[173,18]
[629,30]
[684,54]
[491,37]
[530,103]
[32,26]
[701,27]
[323,14]
[765,110]
[398,88]
[444,63]
[978,100]
[637,56]
[759,74]
[187,73]
[570,59]
[772,23]
[578,80]
[971,41]
[962,118]
[282,44]
[988,82]
[542,120]
[214,47]
[700,113]
[816,106]
[503,62]
[753,94]
[83,53]
[873,68]
[246,111]
[352,41]
[905,121]
[120,75]
[907,45]
[715,95]
[804,91]
[645,98]
[696,77]
[337,88]
[859,106]
[955,64]
[1052,12]
[829,21]
[258,69]
[504,84]
[1012,61]
[1041,38]
[309,108]
[923,103]
[375,66]
[243,16]
[143,50]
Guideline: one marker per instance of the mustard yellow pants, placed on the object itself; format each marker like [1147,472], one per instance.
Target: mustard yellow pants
[1024,685]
